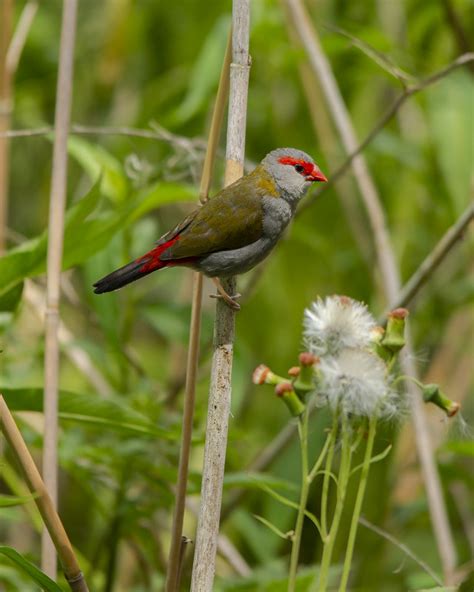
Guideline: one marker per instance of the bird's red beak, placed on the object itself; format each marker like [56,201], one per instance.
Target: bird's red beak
[317,176]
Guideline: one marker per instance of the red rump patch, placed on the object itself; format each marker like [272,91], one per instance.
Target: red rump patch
[308,167]
[152,261]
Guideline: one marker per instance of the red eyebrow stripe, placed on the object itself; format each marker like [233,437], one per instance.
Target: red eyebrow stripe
[307,166]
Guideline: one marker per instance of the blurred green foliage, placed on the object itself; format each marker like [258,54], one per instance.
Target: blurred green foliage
[140,63]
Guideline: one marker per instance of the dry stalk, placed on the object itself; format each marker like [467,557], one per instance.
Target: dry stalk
[388,268]
[224,327]
[176,548]
[21,33]
[6,18]
[43,500]
[55,250]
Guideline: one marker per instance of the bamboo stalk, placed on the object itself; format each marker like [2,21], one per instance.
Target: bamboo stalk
[224,327]
[55,250]
[175,554]
[389,271]
[43,500]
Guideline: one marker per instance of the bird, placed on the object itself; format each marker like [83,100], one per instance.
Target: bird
[235,230]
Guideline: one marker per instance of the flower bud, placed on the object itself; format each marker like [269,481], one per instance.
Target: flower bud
[308,362]
[263,375]
[284,390]
[394,338]
[433,394]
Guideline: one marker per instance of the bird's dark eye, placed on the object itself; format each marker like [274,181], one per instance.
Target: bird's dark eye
[299,168]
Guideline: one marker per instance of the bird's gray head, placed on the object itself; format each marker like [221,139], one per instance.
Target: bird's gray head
[293,171]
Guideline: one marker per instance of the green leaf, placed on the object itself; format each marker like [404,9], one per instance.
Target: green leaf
[205,73]
[290,503]
[374,459]
[251,480]
[10,300]
[284,535]
[27,567]
[377,56]
[89,409]
[7,501]
[160,194]
[30,258]
[97,162]
[84,235]
[464,447]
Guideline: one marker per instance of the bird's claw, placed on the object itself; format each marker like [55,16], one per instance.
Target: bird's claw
[231,301]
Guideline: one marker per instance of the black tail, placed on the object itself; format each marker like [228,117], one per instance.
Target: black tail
[121,277]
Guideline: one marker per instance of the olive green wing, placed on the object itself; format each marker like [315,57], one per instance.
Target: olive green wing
[230,220]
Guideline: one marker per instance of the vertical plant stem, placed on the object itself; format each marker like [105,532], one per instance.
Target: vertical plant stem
[6,18]
[342,481]
[173,576]
[296,541]
[358,503]
[42,500]
[220,388]
[55,251]
[327,475]
[21,33]
[389,271]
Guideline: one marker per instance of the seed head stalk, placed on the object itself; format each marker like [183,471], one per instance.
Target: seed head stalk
[327,476]
[342,481]
[358,503]
[305,483]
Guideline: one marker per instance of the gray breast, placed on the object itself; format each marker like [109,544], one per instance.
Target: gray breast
[277,214]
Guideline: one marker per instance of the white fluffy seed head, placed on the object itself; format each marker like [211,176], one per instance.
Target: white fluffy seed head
[355,382]
[337,323]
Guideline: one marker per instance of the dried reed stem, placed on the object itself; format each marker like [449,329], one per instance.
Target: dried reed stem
[389,271]
[10,53]
[176,548]
[6,17]
[55,250]
[43,500]
[221,386]
[21,34]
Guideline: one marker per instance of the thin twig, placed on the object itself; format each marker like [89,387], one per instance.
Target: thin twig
[386,260]
[399,101]
[54,257]
[158,133]
[174,563]
[435,258]
[224,327]
[386,535]
[43,500]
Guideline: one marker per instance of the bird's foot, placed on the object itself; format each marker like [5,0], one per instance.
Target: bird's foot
[228,299]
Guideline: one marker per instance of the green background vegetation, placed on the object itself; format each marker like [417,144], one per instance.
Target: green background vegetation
[141,62]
